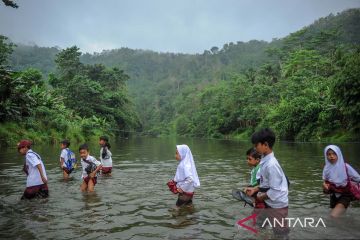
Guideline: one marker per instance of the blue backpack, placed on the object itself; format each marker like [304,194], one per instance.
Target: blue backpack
[71,161]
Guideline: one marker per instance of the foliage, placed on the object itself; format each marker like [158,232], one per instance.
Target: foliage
[305,86]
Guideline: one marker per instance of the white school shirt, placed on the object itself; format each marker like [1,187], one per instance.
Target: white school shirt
[33,159]
[85,164]
[107,161]
[64,155]
[187,185]
[273,177]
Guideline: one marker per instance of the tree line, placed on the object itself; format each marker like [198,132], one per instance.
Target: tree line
[76,101]
[305,86]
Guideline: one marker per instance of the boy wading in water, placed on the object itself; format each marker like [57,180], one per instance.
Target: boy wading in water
[36,182]
[273,188]
[90,167]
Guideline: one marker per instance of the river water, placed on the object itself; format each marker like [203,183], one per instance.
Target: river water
[135,203]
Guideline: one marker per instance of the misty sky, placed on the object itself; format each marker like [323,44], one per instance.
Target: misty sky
[188,26]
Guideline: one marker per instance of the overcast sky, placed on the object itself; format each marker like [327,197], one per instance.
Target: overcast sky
[188,26]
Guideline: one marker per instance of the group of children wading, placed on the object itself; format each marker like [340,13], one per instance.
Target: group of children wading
[36,183]
[269,186]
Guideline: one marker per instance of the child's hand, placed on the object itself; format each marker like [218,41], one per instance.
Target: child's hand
[250,191]
[180,190]
[261,196]
[44,180]
[92,175]
[326,186]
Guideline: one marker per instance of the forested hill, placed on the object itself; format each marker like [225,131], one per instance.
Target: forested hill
[296,85]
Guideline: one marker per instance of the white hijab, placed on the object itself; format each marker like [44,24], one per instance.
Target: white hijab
[335,173]
[186,167]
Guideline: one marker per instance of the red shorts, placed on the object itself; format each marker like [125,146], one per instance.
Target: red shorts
[87,179]
[106,170]
[41,191]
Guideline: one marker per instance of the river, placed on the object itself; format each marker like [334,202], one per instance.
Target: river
[135,203]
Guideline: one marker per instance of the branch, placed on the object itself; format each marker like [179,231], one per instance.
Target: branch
[10,3]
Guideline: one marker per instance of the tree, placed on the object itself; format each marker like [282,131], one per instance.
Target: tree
[346,88]
[6,48]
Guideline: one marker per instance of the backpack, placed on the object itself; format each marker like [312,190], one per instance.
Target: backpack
[71,160]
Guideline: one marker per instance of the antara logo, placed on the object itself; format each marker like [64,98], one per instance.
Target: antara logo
[281,222]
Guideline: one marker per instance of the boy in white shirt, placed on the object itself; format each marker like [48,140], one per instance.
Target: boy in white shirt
[273,188]
[36,182]
[90,168]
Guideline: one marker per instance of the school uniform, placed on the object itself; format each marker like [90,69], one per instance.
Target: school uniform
[65,155]
[274,182]
[336,176]
[85,163]
[106,160]
[35,187]
[186,176]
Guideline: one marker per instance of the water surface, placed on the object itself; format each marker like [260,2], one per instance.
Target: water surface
[135,203]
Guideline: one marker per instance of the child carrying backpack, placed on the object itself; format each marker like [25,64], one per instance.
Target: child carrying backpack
[67,159]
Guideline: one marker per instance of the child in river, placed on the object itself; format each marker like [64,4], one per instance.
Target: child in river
[273,187]
[186,178]
[36,182]
[336,174]
[253,160]
[67,159]
[90,168]
[105,156]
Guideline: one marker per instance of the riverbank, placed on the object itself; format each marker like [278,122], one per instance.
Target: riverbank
[11,133]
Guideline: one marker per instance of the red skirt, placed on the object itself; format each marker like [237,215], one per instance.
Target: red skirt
[106,170]
[87,179]
[41,191]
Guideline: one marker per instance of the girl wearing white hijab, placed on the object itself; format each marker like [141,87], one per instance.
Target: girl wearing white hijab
[335,176]
[186,177]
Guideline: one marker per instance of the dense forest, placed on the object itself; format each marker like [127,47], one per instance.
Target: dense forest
[306,86]
[76,101]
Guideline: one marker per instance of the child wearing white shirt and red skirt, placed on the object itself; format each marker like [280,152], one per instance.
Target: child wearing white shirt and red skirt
[36,182]
[90,167]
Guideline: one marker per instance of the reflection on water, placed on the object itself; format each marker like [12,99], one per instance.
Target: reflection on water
[135,203]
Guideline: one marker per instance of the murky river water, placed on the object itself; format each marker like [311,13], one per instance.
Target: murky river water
[135,203]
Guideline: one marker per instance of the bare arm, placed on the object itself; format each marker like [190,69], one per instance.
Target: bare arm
[62,160]
[251,190]
[43,178]
[92,175]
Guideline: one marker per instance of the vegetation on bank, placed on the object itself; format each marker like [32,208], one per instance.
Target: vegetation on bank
[77,102]
[305,86]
